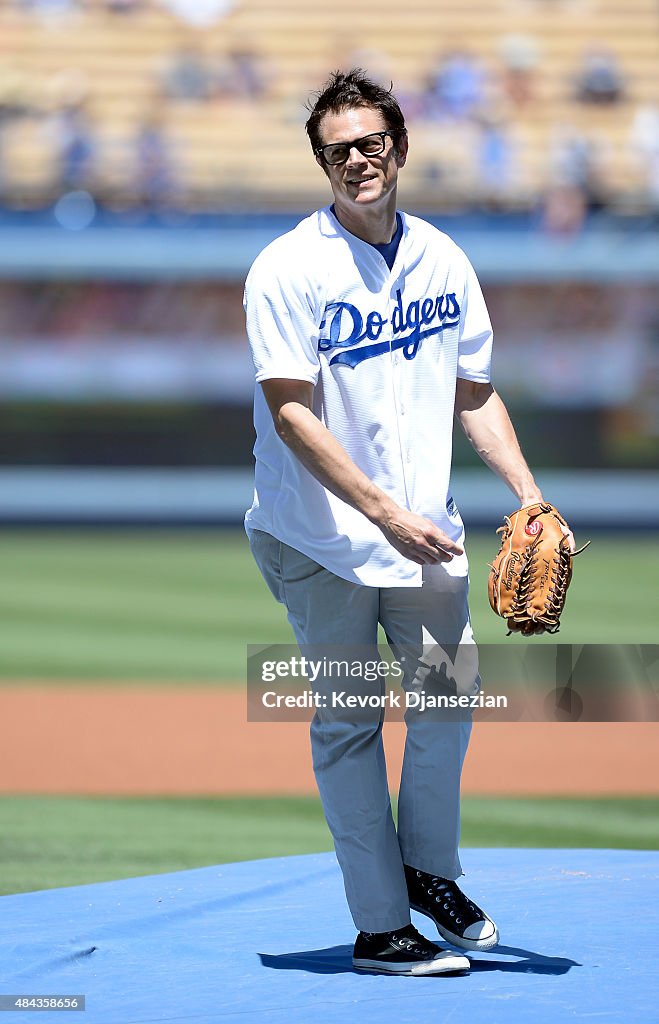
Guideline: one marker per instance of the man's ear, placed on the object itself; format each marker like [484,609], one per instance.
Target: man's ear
[402,148]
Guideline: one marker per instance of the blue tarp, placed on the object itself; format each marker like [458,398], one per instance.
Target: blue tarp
[271,940]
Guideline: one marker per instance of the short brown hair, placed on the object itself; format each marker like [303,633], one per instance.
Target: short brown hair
[344,91]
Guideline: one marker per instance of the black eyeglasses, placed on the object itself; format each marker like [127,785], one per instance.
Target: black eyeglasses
[369,145]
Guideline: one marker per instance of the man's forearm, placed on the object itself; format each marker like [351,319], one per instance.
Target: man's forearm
[485,421]
[317,449]
[320,453]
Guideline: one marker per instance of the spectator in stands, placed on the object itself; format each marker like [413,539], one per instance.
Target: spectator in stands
[75,147]
[576,161]
[575,186]
[187,75]
[599,80]
[494,161]
[644,139]
[455,87]
[155,178]
[243,72]
[563,211]
[519,55]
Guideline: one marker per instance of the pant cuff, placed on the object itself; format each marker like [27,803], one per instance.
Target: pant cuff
[381,924]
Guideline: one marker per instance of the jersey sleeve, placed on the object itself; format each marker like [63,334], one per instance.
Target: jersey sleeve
[282,320]
[475,346]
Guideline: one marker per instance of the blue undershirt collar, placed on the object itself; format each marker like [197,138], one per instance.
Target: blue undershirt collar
[389,249]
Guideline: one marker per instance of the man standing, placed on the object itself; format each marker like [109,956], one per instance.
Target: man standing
[368,332]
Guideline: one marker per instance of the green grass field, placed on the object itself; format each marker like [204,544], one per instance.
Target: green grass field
[51,842]
[181,607]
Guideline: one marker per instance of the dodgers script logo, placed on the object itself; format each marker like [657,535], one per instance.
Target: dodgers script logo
[344,326]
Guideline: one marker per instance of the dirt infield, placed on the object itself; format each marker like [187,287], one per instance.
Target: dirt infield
[148,740]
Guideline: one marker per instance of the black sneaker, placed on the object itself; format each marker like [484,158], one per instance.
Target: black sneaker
[458,920]
[404,951]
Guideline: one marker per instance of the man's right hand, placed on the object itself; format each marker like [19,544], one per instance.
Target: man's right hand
[412,535]
[417,538]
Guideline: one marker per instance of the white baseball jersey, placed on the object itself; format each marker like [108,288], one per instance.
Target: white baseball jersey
[383,349]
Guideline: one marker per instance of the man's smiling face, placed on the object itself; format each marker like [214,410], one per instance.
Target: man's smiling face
[361,181]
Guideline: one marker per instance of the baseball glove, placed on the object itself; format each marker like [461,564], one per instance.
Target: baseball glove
[530,576]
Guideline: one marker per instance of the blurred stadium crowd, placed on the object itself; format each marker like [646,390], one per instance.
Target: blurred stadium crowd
[161,105]
[174,131]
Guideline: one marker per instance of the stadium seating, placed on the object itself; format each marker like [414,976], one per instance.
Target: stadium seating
[230,151]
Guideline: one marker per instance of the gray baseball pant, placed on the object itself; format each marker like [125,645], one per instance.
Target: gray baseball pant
[348,756]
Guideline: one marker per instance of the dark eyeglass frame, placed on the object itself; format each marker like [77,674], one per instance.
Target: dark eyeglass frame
[356,144]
